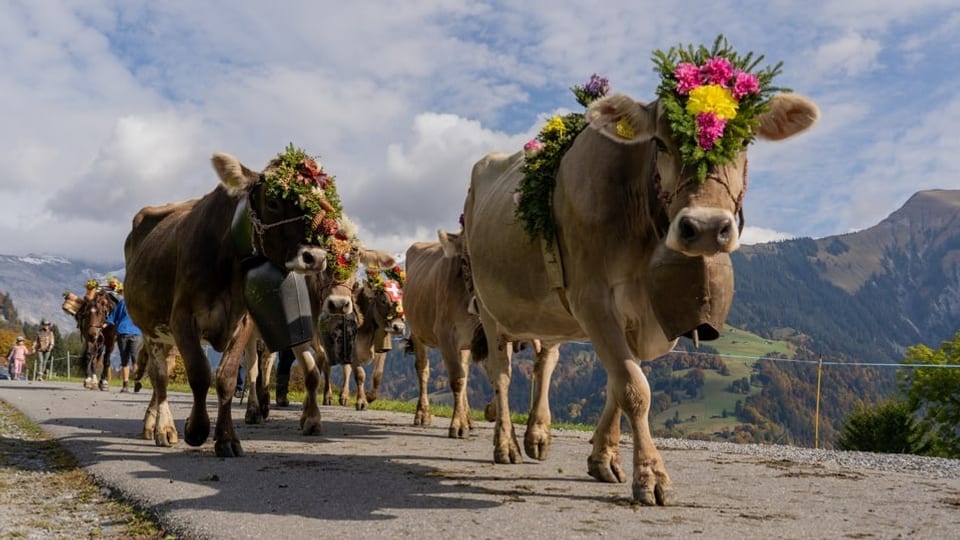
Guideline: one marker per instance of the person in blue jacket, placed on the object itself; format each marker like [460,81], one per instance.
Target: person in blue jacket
[128,336]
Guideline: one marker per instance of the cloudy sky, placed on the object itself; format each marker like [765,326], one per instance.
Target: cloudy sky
[108,106]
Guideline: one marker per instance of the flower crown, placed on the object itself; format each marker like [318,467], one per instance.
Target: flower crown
[298,176]
[376,281]
[92,284]
[713,99]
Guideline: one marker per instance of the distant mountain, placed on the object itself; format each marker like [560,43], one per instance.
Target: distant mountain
[868,294]
[36,284]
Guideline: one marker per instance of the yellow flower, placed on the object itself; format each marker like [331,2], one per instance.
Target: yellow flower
[554,127]
[714,99]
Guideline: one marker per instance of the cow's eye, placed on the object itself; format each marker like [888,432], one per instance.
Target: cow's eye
[661,146]
[273,205]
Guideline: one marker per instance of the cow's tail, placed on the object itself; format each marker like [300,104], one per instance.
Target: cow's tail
[478,345]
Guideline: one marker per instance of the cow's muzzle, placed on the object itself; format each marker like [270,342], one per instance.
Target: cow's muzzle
[703,231]
[308,260]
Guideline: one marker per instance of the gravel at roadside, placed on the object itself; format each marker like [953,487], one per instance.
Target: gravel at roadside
[44,494]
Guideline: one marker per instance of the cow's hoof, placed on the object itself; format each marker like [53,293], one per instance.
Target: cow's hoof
[283,401]
[166,438]
[194,434]
[458,431]
[506,452]
[137,386]
[536,441]
[148,434]
[310,426]
[422,418]
[253,416]
[606,470]
[647,496]
[228,449]
[344,401]
[361,405]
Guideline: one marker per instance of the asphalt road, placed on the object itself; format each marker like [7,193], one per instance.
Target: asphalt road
[373,474]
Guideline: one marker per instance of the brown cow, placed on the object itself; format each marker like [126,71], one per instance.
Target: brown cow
[436,303]
[380,314]
[185,265]
[620,185]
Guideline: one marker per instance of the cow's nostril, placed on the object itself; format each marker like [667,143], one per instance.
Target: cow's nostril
[688,229]
[723,235]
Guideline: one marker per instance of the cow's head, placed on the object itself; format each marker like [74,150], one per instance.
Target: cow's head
[382,299]
[338,290]
[284,223]
[696,205]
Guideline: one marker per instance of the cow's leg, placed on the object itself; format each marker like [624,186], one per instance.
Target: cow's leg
[422,417]
[627,390]
[345,387]
[197,428]
[225,440]
[379,359]
[158,422]
[536,440]
[263,386]
[360,377]
[251,365]
[506,449]
[310,418]
[457,364]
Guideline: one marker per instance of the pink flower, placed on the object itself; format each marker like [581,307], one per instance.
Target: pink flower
[718,71]
[532,148]
[745,83]
[688,77]
[709,129]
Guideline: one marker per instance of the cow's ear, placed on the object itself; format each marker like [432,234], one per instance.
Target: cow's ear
[787,115]
[233,174]
[622,119]
[374,258]
[450,242]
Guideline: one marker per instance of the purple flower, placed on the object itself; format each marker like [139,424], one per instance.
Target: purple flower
[688,77]
[709,129]
[597,86]
[745,83]
[717,70]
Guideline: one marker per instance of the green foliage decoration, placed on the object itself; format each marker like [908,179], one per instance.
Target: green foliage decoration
[541,162]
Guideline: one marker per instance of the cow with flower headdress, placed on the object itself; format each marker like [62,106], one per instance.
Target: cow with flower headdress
[364,335]
[616,228]
[229,268]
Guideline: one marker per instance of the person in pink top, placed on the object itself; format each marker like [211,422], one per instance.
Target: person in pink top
[17,359]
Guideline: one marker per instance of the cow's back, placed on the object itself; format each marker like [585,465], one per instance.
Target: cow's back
[435,296]
[181,253]
[508,268]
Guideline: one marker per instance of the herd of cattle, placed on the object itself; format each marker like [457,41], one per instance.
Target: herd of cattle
[621,207]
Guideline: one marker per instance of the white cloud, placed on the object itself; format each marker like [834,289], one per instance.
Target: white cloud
[849,55]
[117,105]
[761,235]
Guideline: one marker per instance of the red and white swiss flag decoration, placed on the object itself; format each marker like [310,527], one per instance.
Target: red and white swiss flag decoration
[393,290]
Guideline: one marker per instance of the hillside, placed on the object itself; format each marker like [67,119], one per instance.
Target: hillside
[36,284]
[868,294]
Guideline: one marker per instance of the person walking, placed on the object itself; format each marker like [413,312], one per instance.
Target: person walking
[43,345]
[128,336]
[17,359]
